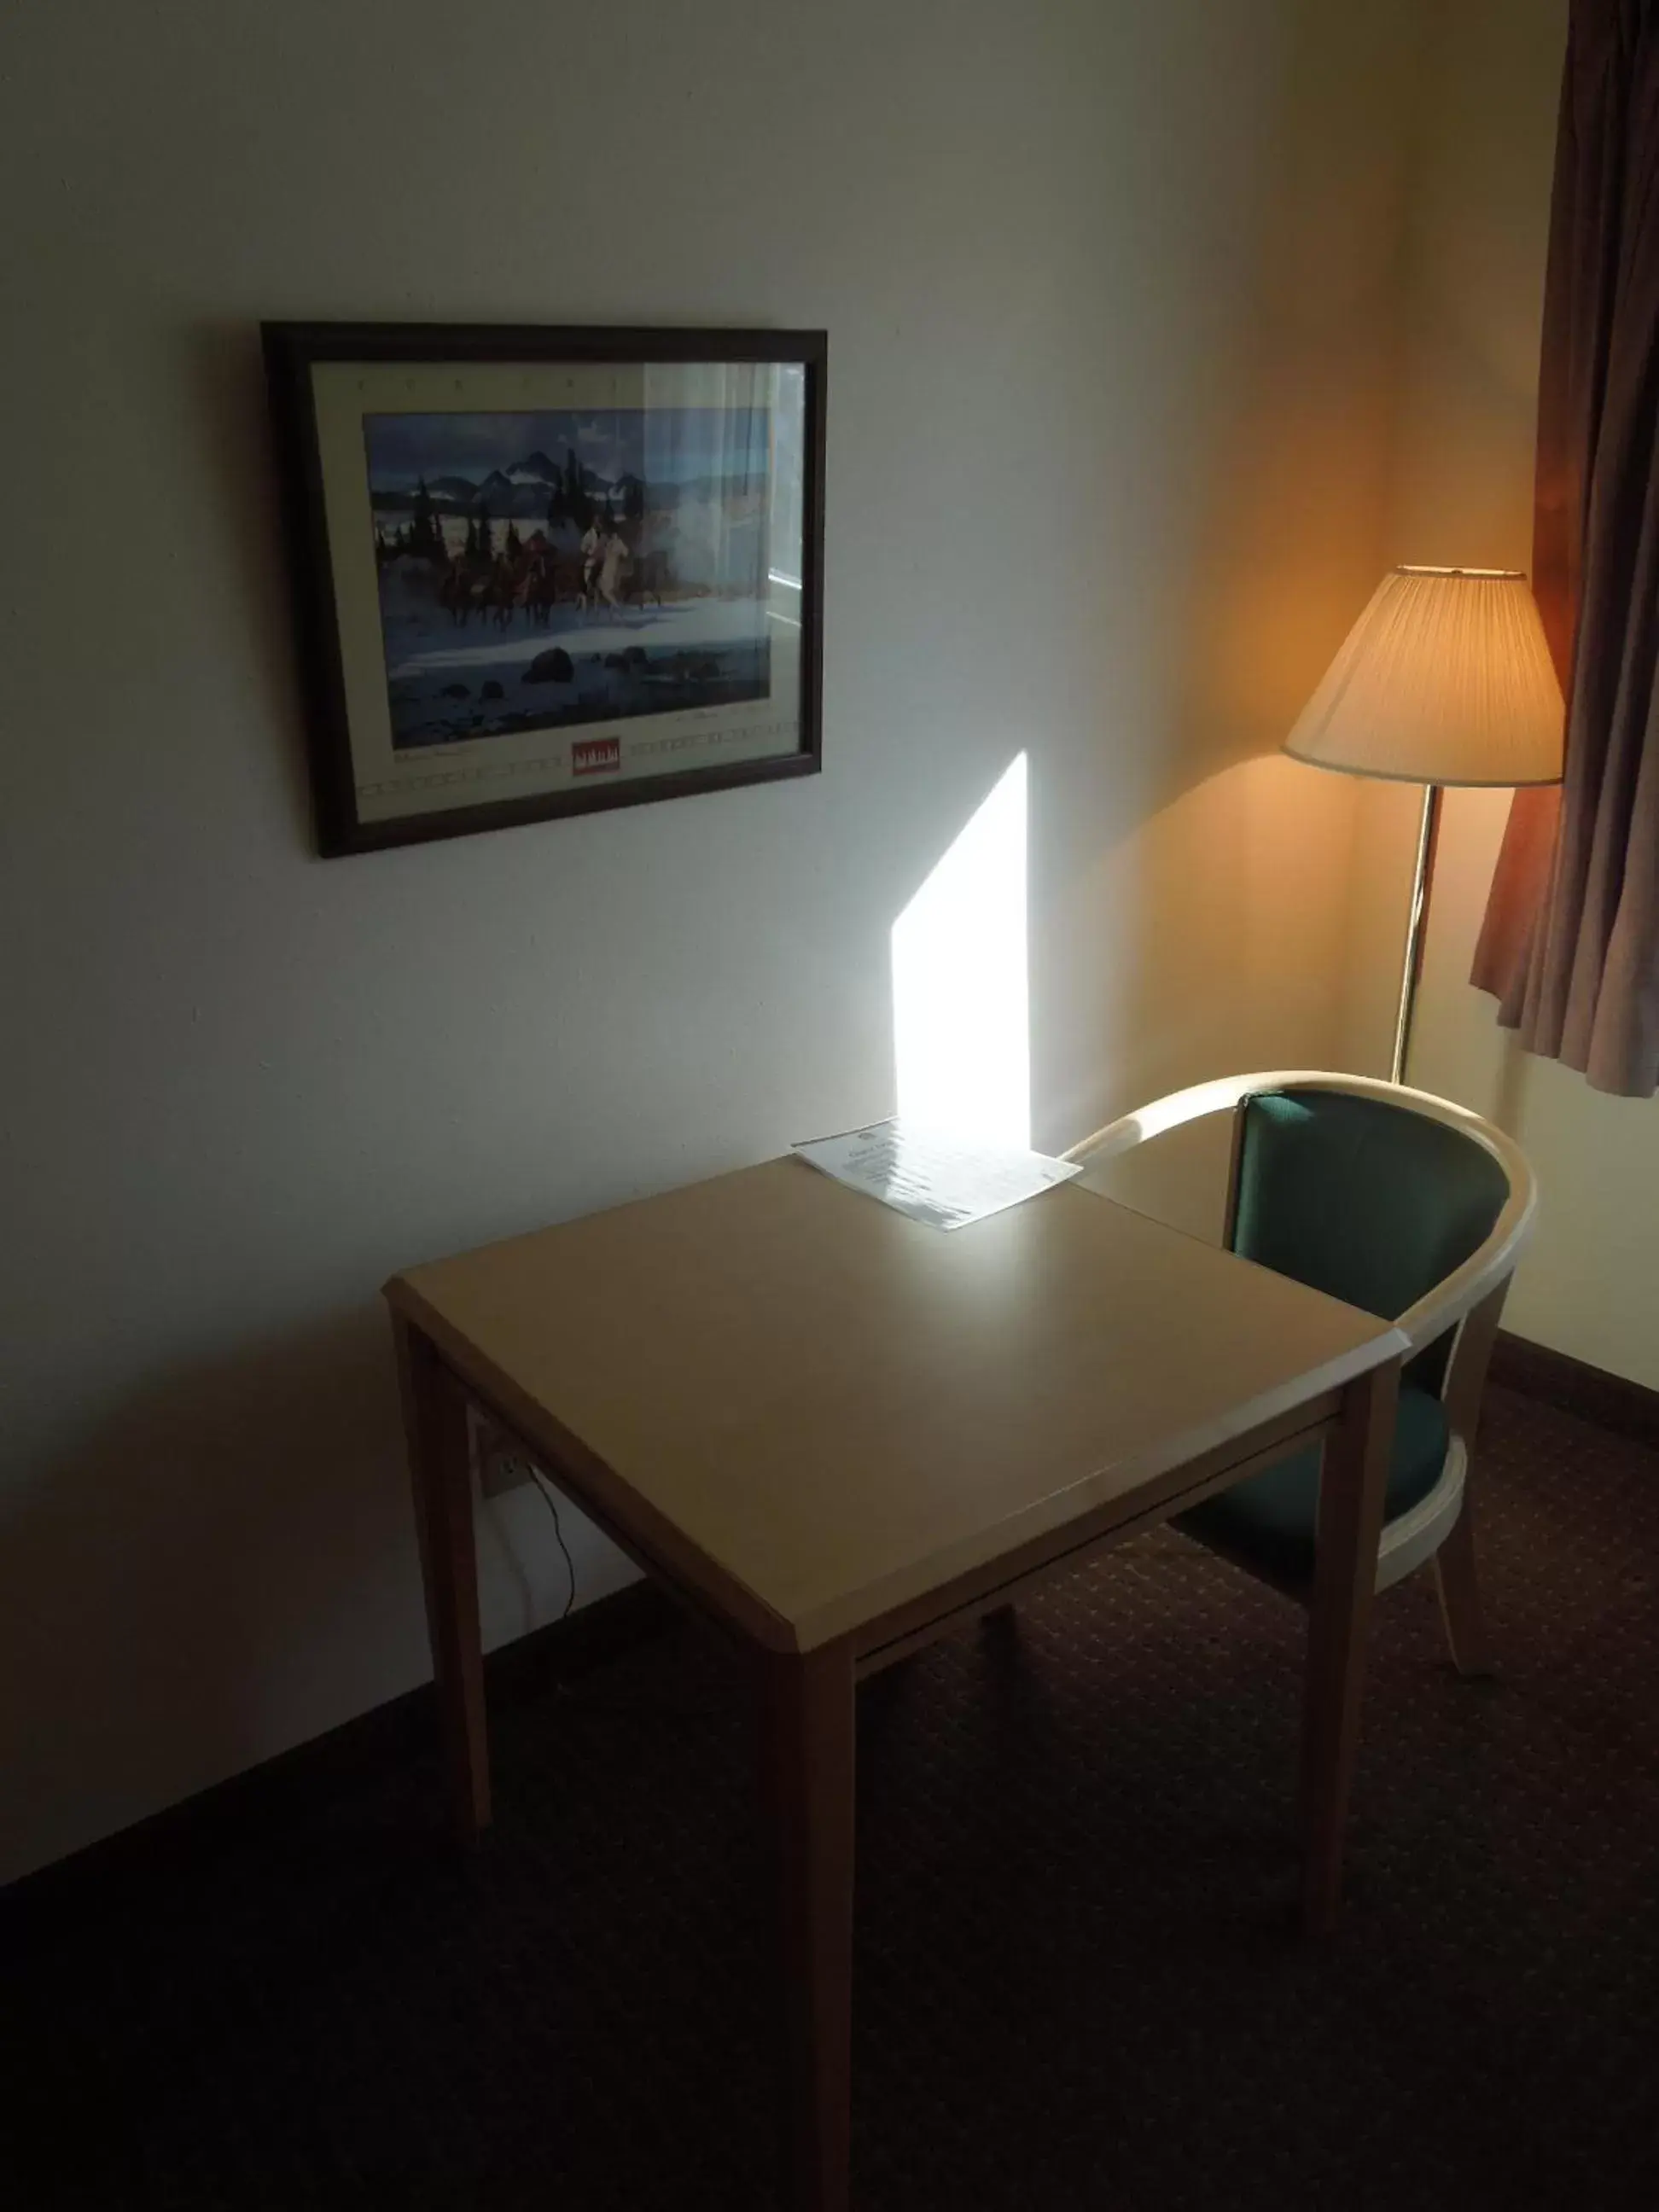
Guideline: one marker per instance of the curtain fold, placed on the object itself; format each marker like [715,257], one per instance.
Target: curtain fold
[1570,946]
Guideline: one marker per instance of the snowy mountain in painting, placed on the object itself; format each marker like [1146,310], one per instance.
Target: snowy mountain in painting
[523,489]
[498,493]
[534,469]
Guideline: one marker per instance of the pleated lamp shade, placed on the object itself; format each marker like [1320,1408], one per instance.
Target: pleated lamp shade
[1445,678]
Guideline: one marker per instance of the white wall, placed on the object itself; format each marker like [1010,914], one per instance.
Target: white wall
[1082,412]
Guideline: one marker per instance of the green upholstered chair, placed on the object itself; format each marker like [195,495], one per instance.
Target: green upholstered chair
[1415,1210]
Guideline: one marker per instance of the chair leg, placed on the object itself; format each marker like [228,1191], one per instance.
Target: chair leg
[1460,1598]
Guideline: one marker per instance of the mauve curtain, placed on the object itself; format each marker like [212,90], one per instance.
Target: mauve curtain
[1570,941]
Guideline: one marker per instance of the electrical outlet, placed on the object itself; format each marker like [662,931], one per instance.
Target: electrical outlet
[500,1470]
[501,1467]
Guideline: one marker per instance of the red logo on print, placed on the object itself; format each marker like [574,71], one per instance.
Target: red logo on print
[592,756]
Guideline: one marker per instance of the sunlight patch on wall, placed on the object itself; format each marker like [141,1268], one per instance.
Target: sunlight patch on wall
[960,1000]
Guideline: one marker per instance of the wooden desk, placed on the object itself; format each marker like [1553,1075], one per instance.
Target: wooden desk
[839,1434]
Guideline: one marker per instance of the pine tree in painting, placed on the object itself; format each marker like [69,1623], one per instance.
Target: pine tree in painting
[425,536]
[576,499]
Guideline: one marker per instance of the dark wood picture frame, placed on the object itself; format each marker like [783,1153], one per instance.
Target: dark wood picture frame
[292,350]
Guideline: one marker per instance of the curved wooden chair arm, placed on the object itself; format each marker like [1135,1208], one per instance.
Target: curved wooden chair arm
[1485,1273]
[1147,1121]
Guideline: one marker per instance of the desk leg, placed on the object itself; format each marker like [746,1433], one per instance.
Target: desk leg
[810,1758]
[434,1429]
[1351,1486]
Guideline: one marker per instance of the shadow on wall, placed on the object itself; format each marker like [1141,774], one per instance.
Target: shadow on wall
[205,1501]
[222,370]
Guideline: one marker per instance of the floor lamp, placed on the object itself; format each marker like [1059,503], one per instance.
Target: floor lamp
[1446,678]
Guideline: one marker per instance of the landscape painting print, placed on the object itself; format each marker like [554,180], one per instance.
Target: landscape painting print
[542,570]
[546,571]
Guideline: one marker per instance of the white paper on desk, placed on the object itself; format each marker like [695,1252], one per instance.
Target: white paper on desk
[946,1182]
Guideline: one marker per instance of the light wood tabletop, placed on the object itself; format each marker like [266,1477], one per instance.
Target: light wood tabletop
[840,1432]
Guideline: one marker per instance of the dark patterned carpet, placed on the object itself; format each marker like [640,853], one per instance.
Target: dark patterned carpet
[1077,1981]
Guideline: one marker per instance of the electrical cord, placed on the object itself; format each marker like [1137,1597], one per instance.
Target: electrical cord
[544,1492]
[649,1708]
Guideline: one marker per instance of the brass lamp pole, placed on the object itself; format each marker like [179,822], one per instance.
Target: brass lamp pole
[1428,845]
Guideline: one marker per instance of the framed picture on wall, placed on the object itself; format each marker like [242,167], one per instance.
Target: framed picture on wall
[540,571]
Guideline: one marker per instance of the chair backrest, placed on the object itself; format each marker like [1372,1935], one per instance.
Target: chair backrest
[1367,1199]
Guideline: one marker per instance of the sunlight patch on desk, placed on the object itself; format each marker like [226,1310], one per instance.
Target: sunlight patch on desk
[961,998]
